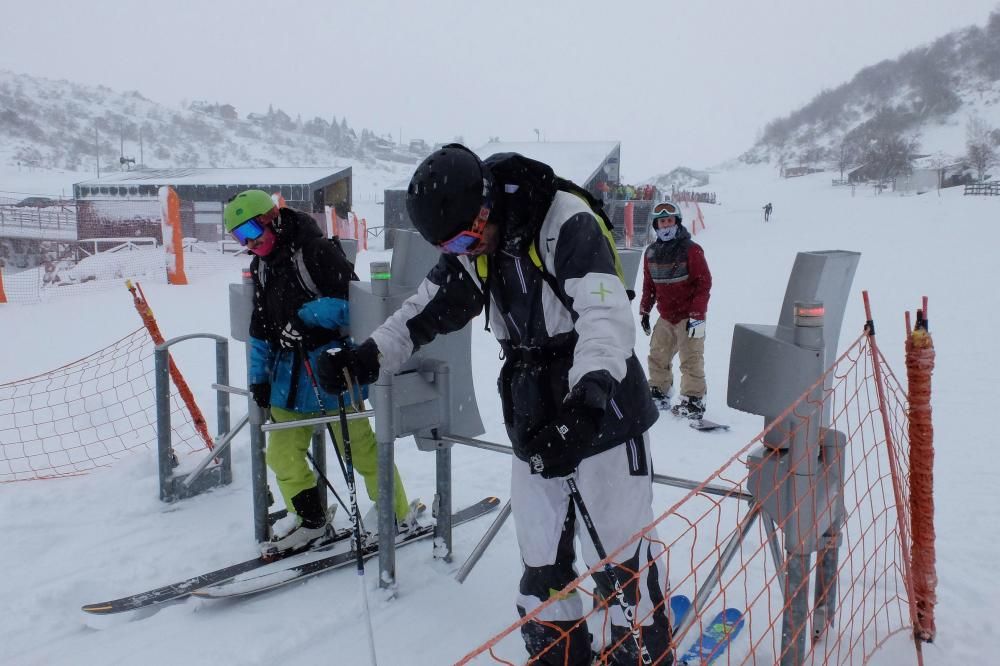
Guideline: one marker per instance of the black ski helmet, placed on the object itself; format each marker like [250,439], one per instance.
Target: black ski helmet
[447,191]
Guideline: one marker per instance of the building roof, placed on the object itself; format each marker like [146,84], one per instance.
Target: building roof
[578,161]
[244,176]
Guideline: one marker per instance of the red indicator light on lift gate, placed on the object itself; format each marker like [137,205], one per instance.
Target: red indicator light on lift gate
[810,311]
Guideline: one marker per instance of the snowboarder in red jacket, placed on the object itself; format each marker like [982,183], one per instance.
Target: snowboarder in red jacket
[677,279]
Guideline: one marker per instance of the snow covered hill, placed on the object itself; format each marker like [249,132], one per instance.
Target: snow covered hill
[79,540]
[928,93]
[62,125]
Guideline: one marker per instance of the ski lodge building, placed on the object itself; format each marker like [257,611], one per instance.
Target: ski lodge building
[126,203]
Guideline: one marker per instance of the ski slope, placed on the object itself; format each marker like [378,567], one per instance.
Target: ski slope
[103,535]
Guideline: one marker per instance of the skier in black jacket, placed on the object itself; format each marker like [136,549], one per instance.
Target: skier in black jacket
[301,284]
[514,239]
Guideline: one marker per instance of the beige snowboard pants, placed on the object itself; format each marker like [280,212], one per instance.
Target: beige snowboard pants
[668,341]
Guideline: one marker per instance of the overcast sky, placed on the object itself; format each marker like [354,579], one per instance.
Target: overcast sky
[677,82]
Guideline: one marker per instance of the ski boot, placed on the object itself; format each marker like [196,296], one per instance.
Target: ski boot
[691,407]
[415,509]
[300,538]
[411,522]
[312,529]
[660,399]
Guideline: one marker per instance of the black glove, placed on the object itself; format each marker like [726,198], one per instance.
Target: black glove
[261,394]
[361,363]
[644,321]
[290,337]
[562,443]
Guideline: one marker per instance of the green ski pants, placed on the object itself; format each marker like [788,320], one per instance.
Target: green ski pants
[286,456]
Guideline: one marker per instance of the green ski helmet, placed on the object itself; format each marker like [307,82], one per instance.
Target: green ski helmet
[245,205]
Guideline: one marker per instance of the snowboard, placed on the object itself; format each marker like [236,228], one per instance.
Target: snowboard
[715,638]
[707,426]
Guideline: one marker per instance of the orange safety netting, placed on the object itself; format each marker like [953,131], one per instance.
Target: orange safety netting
[86,414]
[862,596]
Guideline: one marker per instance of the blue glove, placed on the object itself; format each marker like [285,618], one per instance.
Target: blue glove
[696,328]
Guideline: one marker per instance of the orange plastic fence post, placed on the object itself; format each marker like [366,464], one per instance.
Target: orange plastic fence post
[364,232]
[3,296]
[919,367]
[173,235]
[149,321]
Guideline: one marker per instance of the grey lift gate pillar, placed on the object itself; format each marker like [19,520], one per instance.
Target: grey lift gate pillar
[433,393]
[179,486]
[798,475]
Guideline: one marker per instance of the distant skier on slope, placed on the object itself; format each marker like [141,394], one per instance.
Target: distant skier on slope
[677,279]
[530,248]
[767,211]
[290,253]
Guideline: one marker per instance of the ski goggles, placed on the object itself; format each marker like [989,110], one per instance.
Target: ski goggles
[665,209]
[465,241]
[250,230]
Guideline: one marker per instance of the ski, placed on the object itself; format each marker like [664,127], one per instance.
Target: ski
[181,589]
[707,426]
[244,585]
[679,605]
[714,639]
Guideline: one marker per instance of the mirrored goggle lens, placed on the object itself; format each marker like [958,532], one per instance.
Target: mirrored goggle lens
[665,210]
[248,231]
[462,243]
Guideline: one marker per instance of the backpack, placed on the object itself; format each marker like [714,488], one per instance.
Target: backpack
[536,185]
[302,271]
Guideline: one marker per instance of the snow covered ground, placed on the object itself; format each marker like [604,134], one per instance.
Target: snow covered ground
[106,534]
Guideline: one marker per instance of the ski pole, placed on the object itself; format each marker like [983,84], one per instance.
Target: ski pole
[329,428]
[353,493]
[357,517]
[483,544]
[627,608]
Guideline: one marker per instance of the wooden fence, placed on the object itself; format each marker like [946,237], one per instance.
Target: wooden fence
[987,189]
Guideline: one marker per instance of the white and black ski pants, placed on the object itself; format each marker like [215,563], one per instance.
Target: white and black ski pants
[616,486]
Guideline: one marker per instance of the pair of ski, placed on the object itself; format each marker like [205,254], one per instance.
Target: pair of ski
[243,579]
[715,636]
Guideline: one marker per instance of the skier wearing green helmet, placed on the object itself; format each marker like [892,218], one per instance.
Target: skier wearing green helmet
[299,307]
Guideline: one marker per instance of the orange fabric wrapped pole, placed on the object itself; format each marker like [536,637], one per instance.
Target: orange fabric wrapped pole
[173,235]
[919,367]
[149,321]
[3,296]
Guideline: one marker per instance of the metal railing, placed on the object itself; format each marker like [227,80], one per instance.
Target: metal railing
[117,244]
